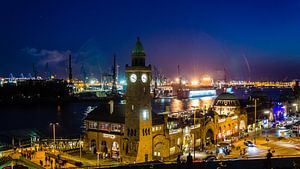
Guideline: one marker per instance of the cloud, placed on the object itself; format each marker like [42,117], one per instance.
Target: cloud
[44,56]
[90,56]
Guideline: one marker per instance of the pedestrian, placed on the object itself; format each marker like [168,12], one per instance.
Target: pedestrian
[269,156]
[46,159]
[178,159]
[51,163]
[189,161]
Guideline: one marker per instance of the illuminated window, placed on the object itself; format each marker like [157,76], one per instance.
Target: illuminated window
[145,115]
[93,125]
[178,141]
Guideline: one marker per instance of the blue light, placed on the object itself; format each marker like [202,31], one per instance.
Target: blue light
[201,93]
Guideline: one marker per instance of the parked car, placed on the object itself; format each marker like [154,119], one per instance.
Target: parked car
[249,143]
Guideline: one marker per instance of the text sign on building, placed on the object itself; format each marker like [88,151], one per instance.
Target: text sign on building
[109,136]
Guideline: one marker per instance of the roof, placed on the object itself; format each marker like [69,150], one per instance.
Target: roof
[226,96]
[138,50]
[102,113]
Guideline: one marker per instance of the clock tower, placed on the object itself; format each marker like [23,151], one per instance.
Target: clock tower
[137,141]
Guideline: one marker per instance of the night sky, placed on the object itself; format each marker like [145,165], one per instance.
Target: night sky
[257,40]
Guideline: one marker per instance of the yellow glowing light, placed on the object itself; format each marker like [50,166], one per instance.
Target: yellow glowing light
[195,82]
[207,78]
[177,79]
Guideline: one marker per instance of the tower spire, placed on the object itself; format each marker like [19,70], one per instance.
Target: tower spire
[138,54]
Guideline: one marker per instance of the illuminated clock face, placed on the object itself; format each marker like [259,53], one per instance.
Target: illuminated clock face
[133,78]
[144,78]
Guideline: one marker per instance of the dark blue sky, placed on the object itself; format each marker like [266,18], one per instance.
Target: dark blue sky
[256,39]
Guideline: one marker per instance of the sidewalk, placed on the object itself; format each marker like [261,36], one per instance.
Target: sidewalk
[40,156]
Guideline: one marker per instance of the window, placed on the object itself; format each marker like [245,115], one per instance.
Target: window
[116,127]
[92,125]
[145,115]
[104,126]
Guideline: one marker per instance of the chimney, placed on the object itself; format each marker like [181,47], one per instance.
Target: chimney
[111,106]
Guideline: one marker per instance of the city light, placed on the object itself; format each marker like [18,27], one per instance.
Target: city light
[120,105]
[195,82]
[92,82]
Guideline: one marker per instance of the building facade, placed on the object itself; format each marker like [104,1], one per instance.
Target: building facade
[131,132]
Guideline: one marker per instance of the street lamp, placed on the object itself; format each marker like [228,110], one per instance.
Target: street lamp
[53,129]
[194,108]
[255,107]
[80,147]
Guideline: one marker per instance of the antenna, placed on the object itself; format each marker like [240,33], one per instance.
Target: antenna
[83,73]
[70,69]
[35,73]
[114,86]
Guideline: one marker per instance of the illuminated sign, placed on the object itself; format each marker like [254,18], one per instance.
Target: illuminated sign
[234,117]
[109,136]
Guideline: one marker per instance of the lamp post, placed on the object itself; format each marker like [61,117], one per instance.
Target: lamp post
[53,129]
[194,109]
[255,107]
[98,158]
[80,147]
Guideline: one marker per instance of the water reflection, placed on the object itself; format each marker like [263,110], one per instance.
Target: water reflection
[177,105]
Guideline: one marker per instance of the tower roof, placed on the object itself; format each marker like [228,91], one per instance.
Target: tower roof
[138,50]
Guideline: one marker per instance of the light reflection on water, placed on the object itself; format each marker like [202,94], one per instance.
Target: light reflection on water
[177,105]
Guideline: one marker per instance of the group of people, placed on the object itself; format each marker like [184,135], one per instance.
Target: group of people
[29,154]
[48,161]
[5,159]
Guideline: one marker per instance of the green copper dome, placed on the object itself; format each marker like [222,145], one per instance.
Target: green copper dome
[138,50]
